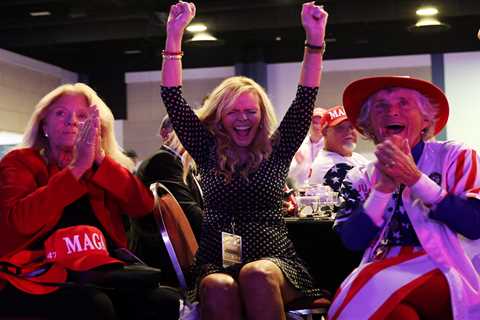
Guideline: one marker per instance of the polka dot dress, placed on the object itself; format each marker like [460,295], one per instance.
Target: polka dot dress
[249,208]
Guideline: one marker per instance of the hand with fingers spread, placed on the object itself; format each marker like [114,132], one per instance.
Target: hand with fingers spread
[314,21]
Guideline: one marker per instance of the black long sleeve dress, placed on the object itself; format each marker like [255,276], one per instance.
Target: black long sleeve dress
[253,206]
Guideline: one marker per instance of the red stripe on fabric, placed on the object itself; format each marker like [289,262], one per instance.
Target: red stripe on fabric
[473,172]
[401,294]
[368,272]
[476,190]
[406,250]
[459,169]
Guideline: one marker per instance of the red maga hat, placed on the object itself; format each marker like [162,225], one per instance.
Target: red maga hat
[333,116]
[78,248]
[27,270]
[357,93]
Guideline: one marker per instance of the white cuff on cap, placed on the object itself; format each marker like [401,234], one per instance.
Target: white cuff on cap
[375,205]
[428,191]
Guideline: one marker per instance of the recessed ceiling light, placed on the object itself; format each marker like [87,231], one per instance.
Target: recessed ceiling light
[203,40]
[428,25]
[278,38]
[196,27]
[203,36]
[428,21]
[426,11]
[132,51]
[40,13]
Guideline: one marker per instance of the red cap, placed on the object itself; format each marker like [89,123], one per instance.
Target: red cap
[333,116]
[78,248]
[33,270]
[357,93]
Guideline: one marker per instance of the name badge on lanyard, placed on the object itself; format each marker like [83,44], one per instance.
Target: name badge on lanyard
[231,249]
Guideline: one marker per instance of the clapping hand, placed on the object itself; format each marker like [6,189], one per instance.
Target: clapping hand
[395,160]
[314,21]
[88,147]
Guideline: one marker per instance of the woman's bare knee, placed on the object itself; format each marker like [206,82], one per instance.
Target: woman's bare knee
[219,297]
[218,286]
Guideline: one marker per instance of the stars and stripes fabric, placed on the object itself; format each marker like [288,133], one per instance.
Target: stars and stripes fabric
[400,229]
[360,297]
[374,287]
[330,168]
[335,176]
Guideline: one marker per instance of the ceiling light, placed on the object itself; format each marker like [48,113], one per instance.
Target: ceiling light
[132,51]
[204,39]
[40,13]
[429,21]
[426,11]
[196,27]
[278,38]
[428,25]
[203,36]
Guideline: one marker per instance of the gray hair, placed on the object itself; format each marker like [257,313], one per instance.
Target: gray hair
[428,109]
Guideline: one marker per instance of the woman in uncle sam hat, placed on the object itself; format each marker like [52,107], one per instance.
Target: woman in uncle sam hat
[415,211]
[62,195]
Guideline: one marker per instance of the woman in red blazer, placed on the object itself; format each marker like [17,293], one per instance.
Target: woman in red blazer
[62,194]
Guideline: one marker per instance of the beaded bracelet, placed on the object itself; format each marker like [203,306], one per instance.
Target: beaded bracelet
[172,55]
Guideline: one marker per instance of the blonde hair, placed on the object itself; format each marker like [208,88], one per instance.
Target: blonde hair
[34,137]
[210,114]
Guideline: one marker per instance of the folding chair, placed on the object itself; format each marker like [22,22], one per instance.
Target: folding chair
[175,230]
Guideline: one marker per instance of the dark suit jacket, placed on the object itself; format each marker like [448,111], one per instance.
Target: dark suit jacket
[165,166]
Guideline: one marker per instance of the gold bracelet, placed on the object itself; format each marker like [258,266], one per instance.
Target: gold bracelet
[168,57]
[316,49]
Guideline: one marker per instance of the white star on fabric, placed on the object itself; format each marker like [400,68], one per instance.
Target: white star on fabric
[396,235]
[334,169]
[336,180]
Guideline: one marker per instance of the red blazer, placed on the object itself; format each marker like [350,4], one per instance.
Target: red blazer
[34,194]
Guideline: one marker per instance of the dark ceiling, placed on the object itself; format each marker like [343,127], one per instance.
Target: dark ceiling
[93,37]
[87,35]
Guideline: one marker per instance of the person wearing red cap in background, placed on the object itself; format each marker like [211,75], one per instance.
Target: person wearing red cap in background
[301,166]
[63,192]
[337,157]
[415,211]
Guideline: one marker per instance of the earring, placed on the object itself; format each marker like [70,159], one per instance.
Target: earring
[45,134]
